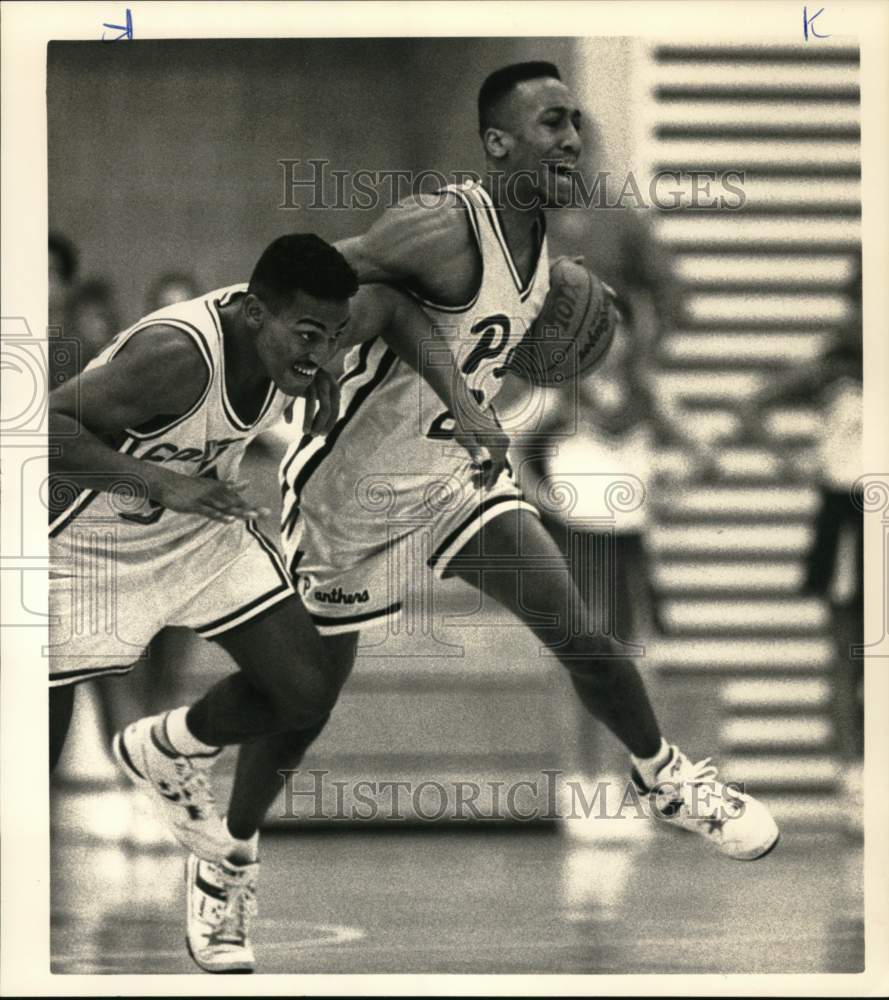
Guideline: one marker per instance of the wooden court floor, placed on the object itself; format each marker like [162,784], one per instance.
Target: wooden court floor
[521,900]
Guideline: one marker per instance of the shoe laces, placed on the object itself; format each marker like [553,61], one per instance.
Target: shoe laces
[687,773]
[236,913]
[197,788]
[194,783]
[683,776]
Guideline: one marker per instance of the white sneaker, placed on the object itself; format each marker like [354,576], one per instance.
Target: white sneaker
[178,787]
[221,905]
[688,795]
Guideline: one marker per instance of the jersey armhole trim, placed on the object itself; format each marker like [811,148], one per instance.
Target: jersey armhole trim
[488,207]
[201,344]
[473,222]
[228,409]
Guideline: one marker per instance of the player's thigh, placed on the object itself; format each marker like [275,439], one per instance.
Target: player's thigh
[281,649]
[515,560]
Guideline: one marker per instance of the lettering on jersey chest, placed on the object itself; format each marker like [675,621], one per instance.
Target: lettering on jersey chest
[209,455]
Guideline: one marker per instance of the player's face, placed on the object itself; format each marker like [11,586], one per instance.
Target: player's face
[294,343]
[545,124]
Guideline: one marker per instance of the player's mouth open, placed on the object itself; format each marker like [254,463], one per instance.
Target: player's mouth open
[303,371]
[563,169]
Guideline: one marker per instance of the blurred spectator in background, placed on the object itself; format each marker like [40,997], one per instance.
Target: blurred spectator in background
[62,275]
[64,360]
[834,565]
[93,318]
[170,288]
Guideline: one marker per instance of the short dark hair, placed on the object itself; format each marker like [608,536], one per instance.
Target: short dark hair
[501,82]
[301,262]
[63,249]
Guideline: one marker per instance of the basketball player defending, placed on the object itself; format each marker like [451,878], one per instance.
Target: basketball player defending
[149,518]
[479,266]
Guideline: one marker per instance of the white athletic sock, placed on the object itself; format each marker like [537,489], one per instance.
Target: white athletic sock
[648,767]
[243,852]
[180,737]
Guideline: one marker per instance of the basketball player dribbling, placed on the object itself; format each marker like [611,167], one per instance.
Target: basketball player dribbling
[478,264]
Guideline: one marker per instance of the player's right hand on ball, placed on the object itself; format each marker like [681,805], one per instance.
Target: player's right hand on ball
[216,499]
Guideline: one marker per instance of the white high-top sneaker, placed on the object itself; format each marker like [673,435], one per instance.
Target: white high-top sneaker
[221,906]
[689,795]
[178,787]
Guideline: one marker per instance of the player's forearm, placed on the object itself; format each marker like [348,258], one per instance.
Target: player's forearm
[428,354]
[81,456]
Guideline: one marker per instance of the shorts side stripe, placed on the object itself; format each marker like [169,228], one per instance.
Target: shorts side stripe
[270,551]
[384,366]
[65,677]
[486,511]
[307,439]
[304,442]
[245,613]
[350,621]
[67,516]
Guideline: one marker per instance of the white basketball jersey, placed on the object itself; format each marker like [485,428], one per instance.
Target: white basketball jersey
[209,440]
[394,433]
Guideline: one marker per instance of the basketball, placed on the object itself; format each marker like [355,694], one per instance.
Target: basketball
[574,330]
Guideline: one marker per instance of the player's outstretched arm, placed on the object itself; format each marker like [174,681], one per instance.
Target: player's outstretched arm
[160,373]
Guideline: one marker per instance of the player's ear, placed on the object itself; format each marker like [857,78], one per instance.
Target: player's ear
[497,142]
[254,311]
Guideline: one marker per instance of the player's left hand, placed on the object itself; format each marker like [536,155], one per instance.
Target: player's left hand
[322,404]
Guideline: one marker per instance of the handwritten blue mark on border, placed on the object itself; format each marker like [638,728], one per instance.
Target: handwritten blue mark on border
[808,24]
[126,30]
